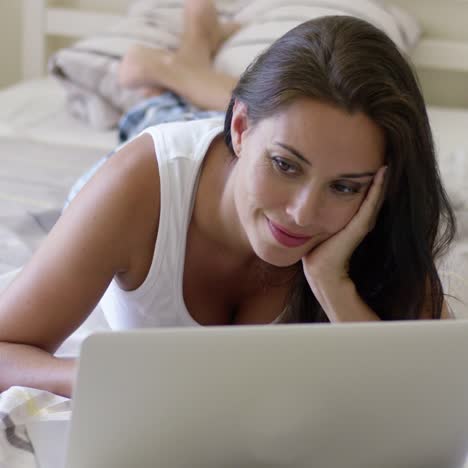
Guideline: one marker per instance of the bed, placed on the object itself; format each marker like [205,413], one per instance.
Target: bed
[43,148]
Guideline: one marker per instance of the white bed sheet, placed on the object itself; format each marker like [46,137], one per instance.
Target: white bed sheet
[35,111]
[35,178]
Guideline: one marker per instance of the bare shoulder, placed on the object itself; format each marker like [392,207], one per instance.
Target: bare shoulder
[446,312]
[134,173]
[120,204]
[100,235]
[129,185]
[426,312]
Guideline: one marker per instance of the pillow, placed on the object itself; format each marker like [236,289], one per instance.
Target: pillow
[266,20]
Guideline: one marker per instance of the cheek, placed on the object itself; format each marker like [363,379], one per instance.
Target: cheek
[260,188]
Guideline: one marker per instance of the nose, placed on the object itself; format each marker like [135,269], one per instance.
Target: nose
[305,206]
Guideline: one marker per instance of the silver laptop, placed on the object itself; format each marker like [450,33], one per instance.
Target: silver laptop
[368,395]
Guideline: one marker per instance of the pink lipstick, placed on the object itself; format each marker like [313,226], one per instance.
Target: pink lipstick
[286,238]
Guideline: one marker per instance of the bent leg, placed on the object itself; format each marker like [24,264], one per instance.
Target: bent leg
[187,72]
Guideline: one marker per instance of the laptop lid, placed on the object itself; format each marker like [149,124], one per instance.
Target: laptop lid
[346,395]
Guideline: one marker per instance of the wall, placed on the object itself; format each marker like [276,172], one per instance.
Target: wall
[442,19]
[11,38]
[10,42]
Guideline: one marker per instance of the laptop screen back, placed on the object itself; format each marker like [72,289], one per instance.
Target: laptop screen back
[354,395]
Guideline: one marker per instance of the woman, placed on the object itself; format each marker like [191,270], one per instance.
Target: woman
[318,200]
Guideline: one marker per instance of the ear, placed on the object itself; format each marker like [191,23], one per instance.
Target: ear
[239,125]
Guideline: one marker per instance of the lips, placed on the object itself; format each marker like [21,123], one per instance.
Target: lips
[286,238]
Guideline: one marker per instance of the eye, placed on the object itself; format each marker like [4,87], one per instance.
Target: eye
[344,189]
[283,165]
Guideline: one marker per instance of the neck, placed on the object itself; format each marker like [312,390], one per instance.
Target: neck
[215,215]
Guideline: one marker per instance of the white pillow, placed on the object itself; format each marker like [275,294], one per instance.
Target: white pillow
[266,20]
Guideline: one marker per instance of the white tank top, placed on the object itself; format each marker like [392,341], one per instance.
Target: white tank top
[180,149]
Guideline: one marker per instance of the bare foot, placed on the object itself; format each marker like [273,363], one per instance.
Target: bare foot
[152,92]
[139,67]
[153,70]
[228,28]
[203,32]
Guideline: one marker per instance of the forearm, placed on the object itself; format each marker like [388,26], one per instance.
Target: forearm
[29,366]
[197,83]
[342,303]
[205,88]
[201,86]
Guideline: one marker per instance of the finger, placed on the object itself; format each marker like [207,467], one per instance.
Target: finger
[366,217]
[382,190]
[363,221]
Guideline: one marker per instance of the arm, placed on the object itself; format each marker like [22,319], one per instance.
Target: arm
[198,84]
[205,88]
[426,313]
[326,266]
[100,235]
[342,303]
[446,313]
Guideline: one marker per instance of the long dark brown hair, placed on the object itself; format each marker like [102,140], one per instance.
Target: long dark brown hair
[349,63]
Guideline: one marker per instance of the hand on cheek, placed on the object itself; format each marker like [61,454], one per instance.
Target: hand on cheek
[329,261]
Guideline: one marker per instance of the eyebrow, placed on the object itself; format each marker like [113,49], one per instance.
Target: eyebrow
[293,151]
[296,153]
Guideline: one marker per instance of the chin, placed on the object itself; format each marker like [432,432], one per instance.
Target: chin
[278,257]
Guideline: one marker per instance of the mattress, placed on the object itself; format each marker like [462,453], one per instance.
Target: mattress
[35,178]
[35,111]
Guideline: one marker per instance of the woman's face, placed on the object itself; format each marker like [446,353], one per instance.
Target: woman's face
[301,175]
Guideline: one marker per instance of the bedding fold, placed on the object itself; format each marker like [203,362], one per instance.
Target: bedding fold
[99,104]
[19,406]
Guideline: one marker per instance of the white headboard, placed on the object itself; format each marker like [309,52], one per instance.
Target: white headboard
[42,19]
[444,46]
